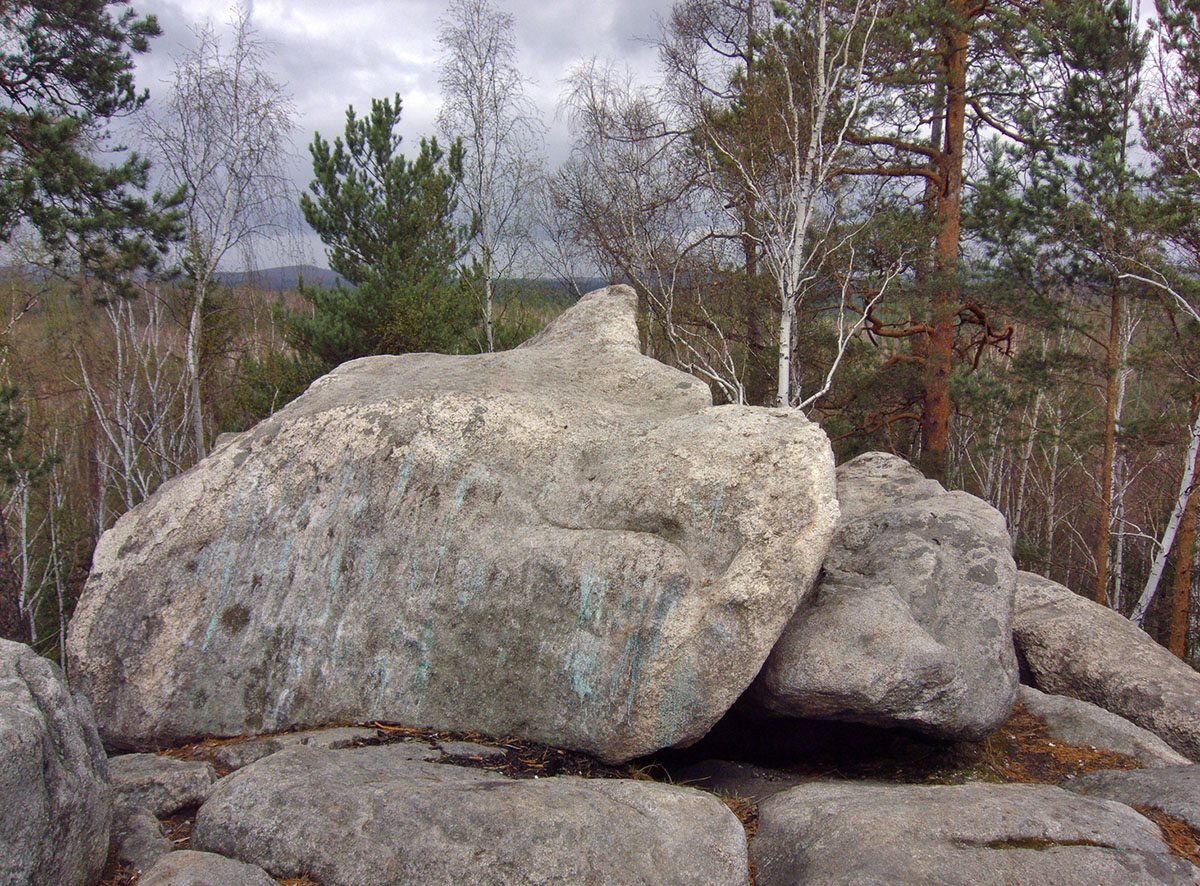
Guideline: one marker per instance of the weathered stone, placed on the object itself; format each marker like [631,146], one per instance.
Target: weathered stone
[190,868]
[162,785]
[1174,790]
[243,753]
[976,834]
[911,624]
[565,542]
[1072,646]
[370,816]
[55,802]
[138,837]
[1084,724]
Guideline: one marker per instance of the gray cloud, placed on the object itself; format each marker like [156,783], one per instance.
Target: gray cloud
[334,53]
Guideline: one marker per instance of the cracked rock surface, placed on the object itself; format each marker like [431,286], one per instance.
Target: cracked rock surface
[566,542]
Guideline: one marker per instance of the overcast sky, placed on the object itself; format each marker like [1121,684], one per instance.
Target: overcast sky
[334,53]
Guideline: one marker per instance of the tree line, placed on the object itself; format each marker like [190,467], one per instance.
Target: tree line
[964,231]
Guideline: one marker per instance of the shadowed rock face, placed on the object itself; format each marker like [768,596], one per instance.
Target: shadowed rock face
[55,801]
[566,542]
[911,624]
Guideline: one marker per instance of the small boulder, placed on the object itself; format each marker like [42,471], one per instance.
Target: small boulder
[55,801]
[1073,646]
[162,785]
[566,542]
[372,816]
[1174,790]
[911,623]
[138,837]
[847,832]
[1082,723]
[189,868]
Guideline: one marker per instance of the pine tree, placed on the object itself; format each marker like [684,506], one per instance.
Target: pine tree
[66,71]
[388,223]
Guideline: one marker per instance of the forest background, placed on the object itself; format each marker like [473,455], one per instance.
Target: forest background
[966,232]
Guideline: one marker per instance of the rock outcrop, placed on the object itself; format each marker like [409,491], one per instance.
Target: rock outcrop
[56,806]
[1082,723]
[566,542]
[911,624]
[374,816]
[971,834]
[1073,646]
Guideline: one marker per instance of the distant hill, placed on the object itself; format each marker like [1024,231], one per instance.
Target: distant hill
[284,280]
[280,279]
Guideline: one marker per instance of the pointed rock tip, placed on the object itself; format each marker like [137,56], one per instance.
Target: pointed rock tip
[604,318]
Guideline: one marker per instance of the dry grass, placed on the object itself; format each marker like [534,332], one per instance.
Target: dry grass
[1181,839]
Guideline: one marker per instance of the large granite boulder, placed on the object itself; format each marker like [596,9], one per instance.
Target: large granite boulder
[55,801]
[973,835]
[374,816]
[566,542]
[1073,646]
[911,624]
[1082,723]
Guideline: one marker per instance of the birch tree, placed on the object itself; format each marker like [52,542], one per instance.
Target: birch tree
[222,136]
[774,123]
[484,104]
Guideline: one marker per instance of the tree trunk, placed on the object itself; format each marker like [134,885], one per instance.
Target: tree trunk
[1112,365]
[192,361]
[939,357]
[1187,484]
[1181,582]
[787,316]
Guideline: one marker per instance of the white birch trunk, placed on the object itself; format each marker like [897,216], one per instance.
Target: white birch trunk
[1168,539]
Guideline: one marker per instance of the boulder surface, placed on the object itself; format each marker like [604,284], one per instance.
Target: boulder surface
[1082,723]
[1174,790]
[190,868]
[1073,646]
[55,801]
[970,834]
[374,816]
[565,542]
[163,785]
[911,624]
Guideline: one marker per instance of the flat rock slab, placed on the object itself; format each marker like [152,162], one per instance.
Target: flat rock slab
[1084,724]
[162,785]
[842,832]
[243,753]
[371,816]
[911,624]
[55,802]
[565,542]
[1174,790]
[190,868]
[1073,646]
